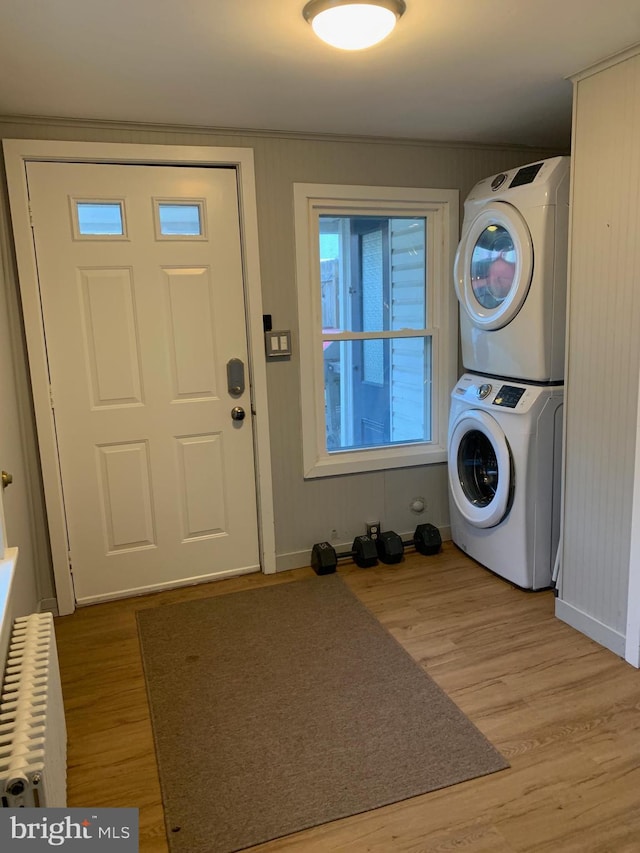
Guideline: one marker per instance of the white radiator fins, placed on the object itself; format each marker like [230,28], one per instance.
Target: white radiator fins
[33,733]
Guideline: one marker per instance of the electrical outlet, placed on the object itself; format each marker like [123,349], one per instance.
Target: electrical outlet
[373,529]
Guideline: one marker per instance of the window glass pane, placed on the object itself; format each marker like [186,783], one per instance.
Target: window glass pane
[408,250]
[330,272]
[493,265]
[373,281]
[411,389]
[373,273]
[385,403]
[179,220]
[373,361]
[96,218]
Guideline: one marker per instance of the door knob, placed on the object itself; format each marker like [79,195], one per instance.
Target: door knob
[237,413]
[7,479]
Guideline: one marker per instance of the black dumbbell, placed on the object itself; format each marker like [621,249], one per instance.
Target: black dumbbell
[324,557]
[390,546]
[426,540]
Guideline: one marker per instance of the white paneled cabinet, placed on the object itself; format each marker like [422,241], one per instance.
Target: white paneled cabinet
[600,558]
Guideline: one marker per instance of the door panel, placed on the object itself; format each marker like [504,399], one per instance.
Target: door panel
[190,297]
[113,362]
[124,483]
[158,481]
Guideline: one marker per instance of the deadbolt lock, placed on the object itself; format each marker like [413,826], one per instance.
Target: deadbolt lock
[235,377]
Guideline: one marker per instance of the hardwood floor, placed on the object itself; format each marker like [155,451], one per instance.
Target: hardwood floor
[564,711]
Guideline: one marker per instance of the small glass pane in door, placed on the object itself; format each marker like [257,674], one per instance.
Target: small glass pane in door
[99,218]
[183,220]
[493,266]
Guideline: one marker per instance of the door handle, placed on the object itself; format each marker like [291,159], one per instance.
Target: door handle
[7,479]
[238,413]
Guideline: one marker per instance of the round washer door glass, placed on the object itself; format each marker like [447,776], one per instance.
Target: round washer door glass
[494,265]
[477,468]
[480,470]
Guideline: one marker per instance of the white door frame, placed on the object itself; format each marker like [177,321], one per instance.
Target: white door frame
[17,153]
[632,634]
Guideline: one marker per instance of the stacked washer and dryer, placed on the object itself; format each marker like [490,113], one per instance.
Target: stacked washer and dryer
[505,425]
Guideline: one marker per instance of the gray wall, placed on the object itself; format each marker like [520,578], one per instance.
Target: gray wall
[333,508]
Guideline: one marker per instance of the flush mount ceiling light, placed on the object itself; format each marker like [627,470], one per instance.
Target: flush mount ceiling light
[353,24]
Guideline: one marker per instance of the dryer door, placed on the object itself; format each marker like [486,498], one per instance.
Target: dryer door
[480,468]
[494,265]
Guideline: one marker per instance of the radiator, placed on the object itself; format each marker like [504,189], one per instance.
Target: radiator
[33,733]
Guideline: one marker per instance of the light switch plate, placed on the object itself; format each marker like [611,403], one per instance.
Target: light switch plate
[278,343]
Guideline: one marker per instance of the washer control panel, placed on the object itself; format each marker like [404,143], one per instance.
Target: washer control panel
[491,393]
[508,396]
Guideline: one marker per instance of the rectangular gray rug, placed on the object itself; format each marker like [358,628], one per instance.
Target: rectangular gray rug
[288,706]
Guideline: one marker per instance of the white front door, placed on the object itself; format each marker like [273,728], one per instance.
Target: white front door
[141,283]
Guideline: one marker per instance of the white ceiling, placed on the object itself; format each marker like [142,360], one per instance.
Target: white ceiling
[489,71]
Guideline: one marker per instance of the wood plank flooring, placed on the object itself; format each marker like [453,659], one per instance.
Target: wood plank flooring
[564,711]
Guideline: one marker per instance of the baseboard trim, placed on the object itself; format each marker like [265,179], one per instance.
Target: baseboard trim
[595,630]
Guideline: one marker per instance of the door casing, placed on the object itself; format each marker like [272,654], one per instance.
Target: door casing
[17,152]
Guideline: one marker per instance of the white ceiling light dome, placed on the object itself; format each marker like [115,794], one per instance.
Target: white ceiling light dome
[353,24]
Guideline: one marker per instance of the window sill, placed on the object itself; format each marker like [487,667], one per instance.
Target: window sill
[360,461]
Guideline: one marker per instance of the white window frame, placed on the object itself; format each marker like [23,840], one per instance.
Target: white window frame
[440,207]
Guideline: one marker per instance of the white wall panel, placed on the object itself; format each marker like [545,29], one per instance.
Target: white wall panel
[603,345]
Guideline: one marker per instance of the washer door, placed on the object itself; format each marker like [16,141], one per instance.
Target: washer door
[494,265]
[480,469]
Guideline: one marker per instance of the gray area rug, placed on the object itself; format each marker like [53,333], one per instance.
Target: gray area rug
[288,706]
